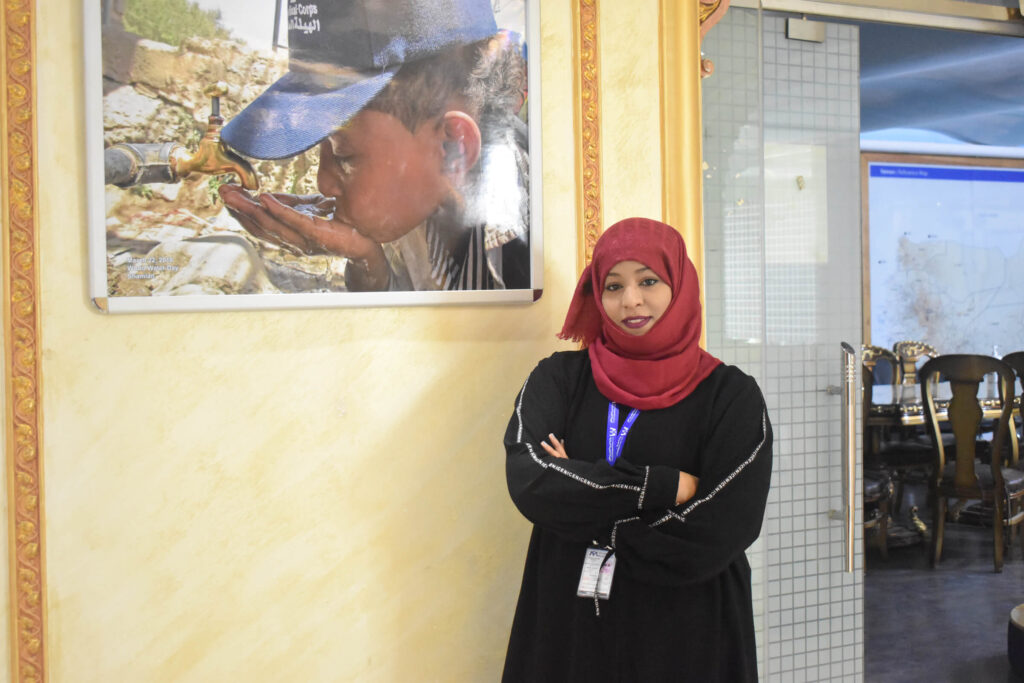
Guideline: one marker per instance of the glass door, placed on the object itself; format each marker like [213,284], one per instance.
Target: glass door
[782,292]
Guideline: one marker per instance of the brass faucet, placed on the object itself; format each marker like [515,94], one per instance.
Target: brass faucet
[213,156]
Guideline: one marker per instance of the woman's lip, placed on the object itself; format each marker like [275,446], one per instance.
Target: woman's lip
[637,322]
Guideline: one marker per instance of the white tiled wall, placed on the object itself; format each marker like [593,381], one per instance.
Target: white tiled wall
[782,291]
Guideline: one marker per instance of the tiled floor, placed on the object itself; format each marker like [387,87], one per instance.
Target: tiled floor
[942,625]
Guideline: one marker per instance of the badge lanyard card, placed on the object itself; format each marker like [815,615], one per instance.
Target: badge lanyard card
[599,563]
[597,574]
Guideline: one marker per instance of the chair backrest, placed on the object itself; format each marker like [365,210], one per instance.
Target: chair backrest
[1016,361]
[965,372]
[879,366]
[882,363]
[910,353]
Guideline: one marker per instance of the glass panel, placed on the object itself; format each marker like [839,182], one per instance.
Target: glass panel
[782,281]
[734,231]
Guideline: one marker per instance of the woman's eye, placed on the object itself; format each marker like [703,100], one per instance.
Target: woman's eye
[649,281]
[612,287]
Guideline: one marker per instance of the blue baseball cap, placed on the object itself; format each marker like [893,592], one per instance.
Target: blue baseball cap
[341,53]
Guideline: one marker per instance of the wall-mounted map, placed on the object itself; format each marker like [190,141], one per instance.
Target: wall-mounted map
[945,245]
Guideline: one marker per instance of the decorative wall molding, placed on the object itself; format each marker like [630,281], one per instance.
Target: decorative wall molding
[710,12]
[681,141]
[680,94]
[21,345]
[587,113]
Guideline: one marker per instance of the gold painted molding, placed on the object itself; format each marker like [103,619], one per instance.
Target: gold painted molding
[21,345]
[587,119]
[680,32]
[681,156]
[682,26]
[682,68]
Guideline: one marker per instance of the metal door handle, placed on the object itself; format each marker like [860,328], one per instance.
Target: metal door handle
[849,420]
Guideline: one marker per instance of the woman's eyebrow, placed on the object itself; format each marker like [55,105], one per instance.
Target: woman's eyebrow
[612,273]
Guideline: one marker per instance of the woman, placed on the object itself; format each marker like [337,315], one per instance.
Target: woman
[645,461]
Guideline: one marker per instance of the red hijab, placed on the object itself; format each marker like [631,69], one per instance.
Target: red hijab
[661,367]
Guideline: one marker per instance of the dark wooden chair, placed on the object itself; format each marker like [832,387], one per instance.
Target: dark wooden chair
[999,487]
[879,368]
[1016,361]
[911,355]
[878,491]
[883,364]
[899,452]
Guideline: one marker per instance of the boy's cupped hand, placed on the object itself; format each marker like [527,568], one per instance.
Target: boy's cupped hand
[300,224]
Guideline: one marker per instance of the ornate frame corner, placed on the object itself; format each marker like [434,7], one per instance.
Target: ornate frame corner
[711,11]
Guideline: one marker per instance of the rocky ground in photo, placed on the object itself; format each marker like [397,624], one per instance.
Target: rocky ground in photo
[174,239]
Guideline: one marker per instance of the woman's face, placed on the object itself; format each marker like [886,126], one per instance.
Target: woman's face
[634,297]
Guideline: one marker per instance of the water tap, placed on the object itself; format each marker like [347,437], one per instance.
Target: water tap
[213,156]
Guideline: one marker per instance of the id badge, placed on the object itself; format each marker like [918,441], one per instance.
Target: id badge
[597,574]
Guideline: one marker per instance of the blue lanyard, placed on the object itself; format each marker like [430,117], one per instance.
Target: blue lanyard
[616,436]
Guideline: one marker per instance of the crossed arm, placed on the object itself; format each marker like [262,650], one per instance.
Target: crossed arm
[668,527]
[687,482]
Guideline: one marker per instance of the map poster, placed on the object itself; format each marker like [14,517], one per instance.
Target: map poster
[945,244]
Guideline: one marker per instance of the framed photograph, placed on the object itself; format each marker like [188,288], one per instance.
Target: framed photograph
[254,154]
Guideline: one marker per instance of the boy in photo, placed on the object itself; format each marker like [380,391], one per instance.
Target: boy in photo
[423,171]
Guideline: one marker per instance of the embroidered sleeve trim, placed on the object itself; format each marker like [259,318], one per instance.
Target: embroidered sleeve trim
[643,491]
[681,516]
[554,466]
[615,528]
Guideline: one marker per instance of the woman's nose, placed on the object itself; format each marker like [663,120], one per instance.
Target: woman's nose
[631,296]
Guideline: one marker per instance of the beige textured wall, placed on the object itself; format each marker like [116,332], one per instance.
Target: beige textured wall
[630,110]
[297,495]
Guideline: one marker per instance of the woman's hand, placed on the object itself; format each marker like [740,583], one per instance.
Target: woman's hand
[687,487]
[558,450]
